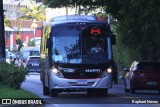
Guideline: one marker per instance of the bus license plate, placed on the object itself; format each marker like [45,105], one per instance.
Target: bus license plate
[81,82]
[151,83]
[35,64]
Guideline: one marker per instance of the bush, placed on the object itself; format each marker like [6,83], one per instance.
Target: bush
[11,75]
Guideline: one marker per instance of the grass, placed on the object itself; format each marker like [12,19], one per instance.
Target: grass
[7,92]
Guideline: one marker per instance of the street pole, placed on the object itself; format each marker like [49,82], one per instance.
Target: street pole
[34,26]
[34,29]
[2,38]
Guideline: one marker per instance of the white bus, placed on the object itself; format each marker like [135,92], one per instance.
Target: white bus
[29,51]
[76,55]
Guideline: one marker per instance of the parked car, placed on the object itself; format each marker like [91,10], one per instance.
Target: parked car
[142,75]
[33,64]
[9,56]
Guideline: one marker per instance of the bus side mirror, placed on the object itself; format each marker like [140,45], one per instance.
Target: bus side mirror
[48,44]
[113,39]
[126,69]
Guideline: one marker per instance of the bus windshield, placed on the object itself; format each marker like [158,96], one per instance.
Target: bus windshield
[79,44]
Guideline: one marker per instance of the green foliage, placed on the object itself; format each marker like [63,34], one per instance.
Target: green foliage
[83,6]
[137,29]
[7,22]
[33,12]
[18,40]
[45,34]
[8,92]
[11,75]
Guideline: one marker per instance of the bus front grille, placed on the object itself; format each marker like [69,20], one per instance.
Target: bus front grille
[76,84]
[81,75]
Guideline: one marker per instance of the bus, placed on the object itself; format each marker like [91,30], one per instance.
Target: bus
[76,55]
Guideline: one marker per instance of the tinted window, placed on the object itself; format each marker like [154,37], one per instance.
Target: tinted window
[33,61]
[7,54]
[77,44]
[149,66]
[34,53]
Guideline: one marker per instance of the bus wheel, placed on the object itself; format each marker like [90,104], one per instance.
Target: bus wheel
[132,91]
[90,92]
[54,93]
[115,81]
[127,90]
[45,90]
[101,92]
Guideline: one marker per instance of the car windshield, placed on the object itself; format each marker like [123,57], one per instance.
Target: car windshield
[25,54]
[33,61]
[149,66]
[75,44]
[34,58]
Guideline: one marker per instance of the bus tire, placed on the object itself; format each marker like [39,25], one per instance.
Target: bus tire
[127,90]
[45,90]
[101,92]
[115,81]
[54,93]
[90,92]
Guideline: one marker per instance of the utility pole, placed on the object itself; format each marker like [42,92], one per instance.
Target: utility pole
[2,38]
[34,26]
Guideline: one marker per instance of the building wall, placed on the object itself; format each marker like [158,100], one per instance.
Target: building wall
[25,36]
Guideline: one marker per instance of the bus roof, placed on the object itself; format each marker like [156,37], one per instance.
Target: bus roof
[73,17]
[76,21]
[32,48]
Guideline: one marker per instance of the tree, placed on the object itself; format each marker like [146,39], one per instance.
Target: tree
[83,6]
[33,12]
[18,40]
[7,22]
[138,29]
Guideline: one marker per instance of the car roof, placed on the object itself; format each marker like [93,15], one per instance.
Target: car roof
[33,56]
[148,62]
[33,48]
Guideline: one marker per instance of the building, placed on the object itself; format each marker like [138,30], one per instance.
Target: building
[12,13]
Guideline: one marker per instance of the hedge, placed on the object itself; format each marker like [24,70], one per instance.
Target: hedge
[11,75]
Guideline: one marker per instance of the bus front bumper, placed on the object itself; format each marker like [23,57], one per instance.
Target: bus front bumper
[62,83]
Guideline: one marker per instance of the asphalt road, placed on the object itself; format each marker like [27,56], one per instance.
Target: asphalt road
[116,96]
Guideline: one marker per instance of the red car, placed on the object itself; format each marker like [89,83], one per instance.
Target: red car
[142,75]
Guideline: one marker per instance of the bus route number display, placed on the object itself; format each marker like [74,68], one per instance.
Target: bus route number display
[95,31]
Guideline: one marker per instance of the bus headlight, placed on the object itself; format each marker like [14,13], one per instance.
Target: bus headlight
[109,70]
[106,72]
[57,73]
